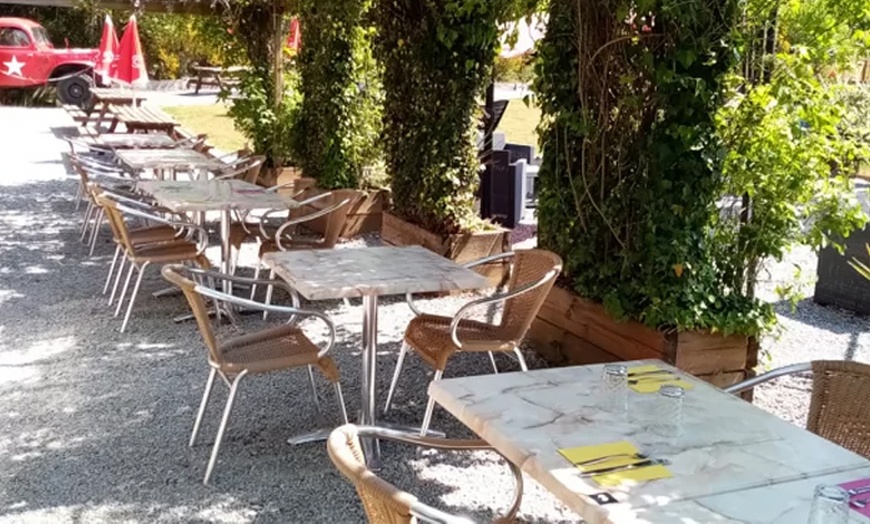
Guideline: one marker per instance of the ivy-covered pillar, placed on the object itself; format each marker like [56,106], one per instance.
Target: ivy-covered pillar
[339,121]
[437,57]
[631,168]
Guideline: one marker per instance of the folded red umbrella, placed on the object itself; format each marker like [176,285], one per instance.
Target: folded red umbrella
[108,51]
[294,39]
[130,66]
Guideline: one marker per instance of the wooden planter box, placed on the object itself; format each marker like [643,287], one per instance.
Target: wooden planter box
[571,330]
[365,215]
[462,248]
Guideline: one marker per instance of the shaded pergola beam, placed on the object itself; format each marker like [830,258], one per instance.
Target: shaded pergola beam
[194,7]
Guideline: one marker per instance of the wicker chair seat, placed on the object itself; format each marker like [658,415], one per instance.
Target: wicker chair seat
[272,349]
[429,335]
[167,252]
[152,234]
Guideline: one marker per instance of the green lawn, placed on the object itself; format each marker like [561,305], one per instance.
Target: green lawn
[518,124]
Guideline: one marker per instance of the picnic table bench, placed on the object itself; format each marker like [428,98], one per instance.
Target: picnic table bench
[215,76]
[142,119]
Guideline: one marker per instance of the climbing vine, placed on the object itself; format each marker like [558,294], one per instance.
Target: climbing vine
[337,134]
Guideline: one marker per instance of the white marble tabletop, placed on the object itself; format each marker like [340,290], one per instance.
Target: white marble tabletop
[135,140]
[784,503]
[156,158]
[343,273]
[728,444]
[213,195]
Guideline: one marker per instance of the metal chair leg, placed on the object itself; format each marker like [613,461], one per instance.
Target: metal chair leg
[118,278]
[86,222]
[256,276]
[202,405]
[133,296]
[124,289]
[220,434]
[111,269]
[399,363]
[522,360]
[269,290]
[79,192]
[430,407]
[492,359]
[96,231]
[313,388]
[340,398]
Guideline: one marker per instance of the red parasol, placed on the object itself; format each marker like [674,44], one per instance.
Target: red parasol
[130,66]
[294,39]
[108,50]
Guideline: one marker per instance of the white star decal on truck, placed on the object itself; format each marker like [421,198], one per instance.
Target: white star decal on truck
[13,67]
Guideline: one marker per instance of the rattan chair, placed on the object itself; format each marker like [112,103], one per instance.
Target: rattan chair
[383,502]
[148,233]
[839,410]
[436,338]
[246,169]
[273,349]
[141,256]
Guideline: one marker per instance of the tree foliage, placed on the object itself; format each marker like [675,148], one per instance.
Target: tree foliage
[680,151]
[337,134]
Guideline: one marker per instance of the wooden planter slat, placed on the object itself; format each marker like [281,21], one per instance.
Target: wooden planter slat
[575,331]
[462,248]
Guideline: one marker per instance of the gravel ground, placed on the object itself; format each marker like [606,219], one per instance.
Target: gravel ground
[96,423]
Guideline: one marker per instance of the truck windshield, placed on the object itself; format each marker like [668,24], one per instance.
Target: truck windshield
[41,36]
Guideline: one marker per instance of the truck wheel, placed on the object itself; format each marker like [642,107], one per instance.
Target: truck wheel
[75,90]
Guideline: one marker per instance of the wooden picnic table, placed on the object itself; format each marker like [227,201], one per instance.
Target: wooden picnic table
[142,118]
[219,76]
[104,97]
[168,159]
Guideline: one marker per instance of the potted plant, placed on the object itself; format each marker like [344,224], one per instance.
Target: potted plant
[670,173]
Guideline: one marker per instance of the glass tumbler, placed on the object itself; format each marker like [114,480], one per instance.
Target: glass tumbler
[669,419]
[830,505]
[615,390]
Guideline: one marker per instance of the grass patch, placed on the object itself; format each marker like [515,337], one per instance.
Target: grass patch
[518,124]
[213,121]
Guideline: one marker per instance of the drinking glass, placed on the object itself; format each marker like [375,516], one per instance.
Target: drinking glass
[615,378]
[669,415]
[830,505]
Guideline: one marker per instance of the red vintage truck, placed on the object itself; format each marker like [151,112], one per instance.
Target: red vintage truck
[28,59]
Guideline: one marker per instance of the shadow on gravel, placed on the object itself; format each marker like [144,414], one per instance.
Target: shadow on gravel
[829,318]
[96,422]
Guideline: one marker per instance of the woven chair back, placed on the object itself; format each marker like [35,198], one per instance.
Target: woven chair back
[529,266]
[838,408]
[383,502]
[198,306]
[254,164]
[336,220]
[117,222]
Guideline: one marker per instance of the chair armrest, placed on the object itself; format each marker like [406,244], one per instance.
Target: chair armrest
[307,218]
[202,234]
[253,304]
[767,377]
[495,299]
[426,512]
[409,297]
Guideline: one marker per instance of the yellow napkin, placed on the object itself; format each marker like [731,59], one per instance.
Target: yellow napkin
[652,382]
[585,453]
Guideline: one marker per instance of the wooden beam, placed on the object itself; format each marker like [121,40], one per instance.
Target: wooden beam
[194,7]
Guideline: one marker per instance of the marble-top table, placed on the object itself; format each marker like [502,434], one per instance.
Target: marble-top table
[169,159]
[728,444]
[369,273]
[135,141]
[199,196]
[783,503]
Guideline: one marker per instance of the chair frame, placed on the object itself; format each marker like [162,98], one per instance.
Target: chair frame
[425,512]
[455,324]
[130,255]
[750,383]
[233,382]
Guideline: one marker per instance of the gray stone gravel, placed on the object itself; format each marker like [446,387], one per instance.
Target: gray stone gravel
[95,423]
